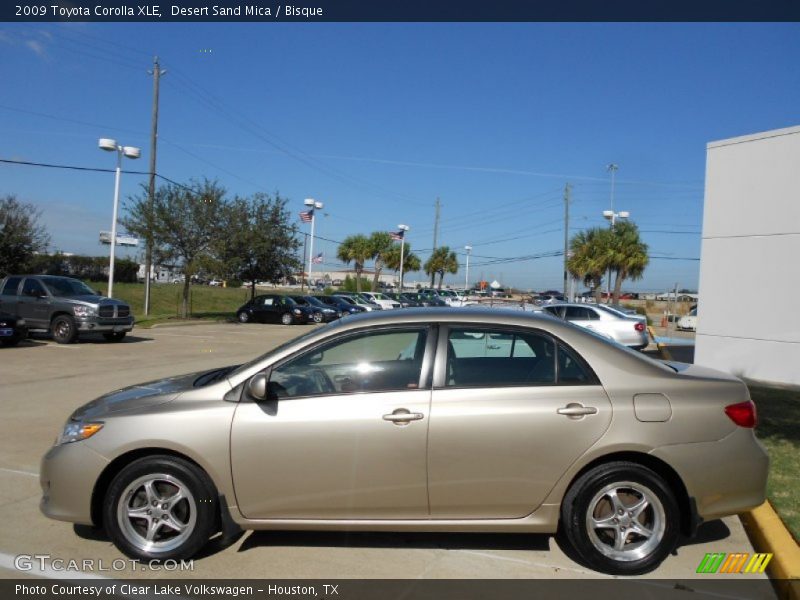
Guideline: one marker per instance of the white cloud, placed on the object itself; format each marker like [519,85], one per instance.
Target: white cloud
[37,48]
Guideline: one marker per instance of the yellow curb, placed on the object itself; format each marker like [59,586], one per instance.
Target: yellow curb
[769,534]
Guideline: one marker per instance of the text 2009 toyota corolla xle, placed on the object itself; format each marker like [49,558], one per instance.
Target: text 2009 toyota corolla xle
[421,420]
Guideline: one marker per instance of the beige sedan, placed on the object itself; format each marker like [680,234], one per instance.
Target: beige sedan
[418,420]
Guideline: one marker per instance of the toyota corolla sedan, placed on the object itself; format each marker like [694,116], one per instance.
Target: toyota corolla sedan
[418,420]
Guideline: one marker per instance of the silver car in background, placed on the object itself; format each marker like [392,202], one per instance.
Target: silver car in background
[427,419]
[627,330]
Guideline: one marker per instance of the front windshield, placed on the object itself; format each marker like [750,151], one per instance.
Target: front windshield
[314,302]
[67,287]
[282,347]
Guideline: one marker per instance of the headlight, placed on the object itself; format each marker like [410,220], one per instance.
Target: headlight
[75,431]
[297,311]
[83,311]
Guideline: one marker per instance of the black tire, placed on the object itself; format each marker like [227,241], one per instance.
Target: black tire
[64,329]
[590,498]
[287,319]
[197,509]
[114,336]
[243,316]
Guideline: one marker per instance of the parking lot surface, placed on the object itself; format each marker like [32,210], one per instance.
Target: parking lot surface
[41,383]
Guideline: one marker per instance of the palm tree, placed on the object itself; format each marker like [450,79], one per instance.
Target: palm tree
[358,250]
[591,257]
[443,260]
[381,245]
[411,261]
[629,255]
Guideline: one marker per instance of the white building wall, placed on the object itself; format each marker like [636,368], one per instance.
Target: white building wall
[749,310]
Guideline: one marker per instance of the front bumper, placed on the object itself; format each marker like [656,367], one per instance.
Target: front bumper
[105,325]
[67,475]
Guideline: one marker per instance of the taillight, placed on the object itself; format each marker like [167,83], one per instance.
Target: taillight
[639,327]
[743,414]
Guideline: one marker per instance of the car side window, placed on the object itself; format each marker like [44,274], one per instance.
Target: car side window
[11,285]
[570,369]
[267,301]
[487,358]
[32,288]
[378,361]
[580,313]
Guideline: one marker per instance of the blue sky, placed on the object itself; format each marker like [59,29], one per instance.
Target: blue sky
[378,120]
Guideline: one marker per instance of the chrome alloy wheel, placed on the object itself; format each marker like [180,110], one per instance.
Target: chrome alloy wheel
[625,521]
[157,513]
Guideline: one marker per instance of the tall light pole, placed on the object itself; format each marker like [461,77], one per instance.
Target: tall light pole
[612,217]
[466,277]
[110,145]
[402,235]
[313,207]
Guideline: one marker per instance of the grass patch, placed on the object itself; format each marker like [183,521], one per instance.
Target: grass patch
[206,302]
[779,430]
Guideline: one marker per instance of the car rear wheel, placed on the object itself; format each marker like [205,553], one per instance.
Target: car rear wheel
[64,329]
[160,508]
[244,317]
[286,319]
[115,336]
[621,518]
[317,317]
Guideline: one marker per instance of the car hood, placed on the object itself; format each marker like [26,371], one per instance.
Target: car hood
[137,396]
[90,299]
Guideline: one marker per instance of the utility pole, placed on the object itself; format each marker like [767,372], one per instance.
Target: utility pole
[612,168]
[157,72]
[567,191]
[435,236]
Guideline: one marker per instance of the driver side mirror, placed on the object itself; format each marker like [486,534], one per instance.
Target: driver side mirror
[257,387]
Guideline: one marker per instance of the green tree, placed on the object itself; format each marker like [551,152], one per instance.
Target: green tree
[443,260]
[358,250]
[629,256]
[260,241]
[184,222]
[411,262]
[21,235]
[591,257]
[381,244]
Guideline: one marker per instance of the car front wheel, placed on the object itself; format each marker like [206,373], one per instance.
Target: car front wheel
[287,319]
[160,508]
[621,518]
[64,329]
[244,317]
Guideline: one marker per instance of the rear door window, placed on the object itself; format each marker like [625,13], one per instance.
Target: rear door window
[11,285]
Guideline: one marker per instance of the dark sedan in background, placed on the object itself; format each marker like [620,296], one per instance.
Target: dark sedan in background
[12,329]
[274,308]
[344,305]
[320,312]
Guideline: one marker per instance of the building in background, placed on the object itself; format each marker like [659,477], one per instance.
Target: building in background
[749,313]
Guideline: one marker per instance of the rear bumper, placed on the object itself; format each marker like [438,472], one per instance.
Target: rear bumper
[725,477]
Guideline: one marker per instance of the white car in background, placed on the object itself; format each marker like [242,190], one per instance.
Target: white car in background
[625,330]
[381,300]
[688,322]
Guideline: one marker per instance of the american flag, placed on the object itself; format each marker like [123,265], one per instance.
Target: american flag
[397,235]
[307,215]
[317,259]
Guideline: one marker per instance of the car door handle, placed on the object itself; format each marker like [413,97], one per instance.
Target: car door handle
[574,410]
[402,416]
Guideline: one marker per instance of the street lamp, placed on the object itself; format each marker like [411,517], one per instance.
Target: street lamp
[110,145]
[466,279]
[613,216]
[313,206]
[403,229]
